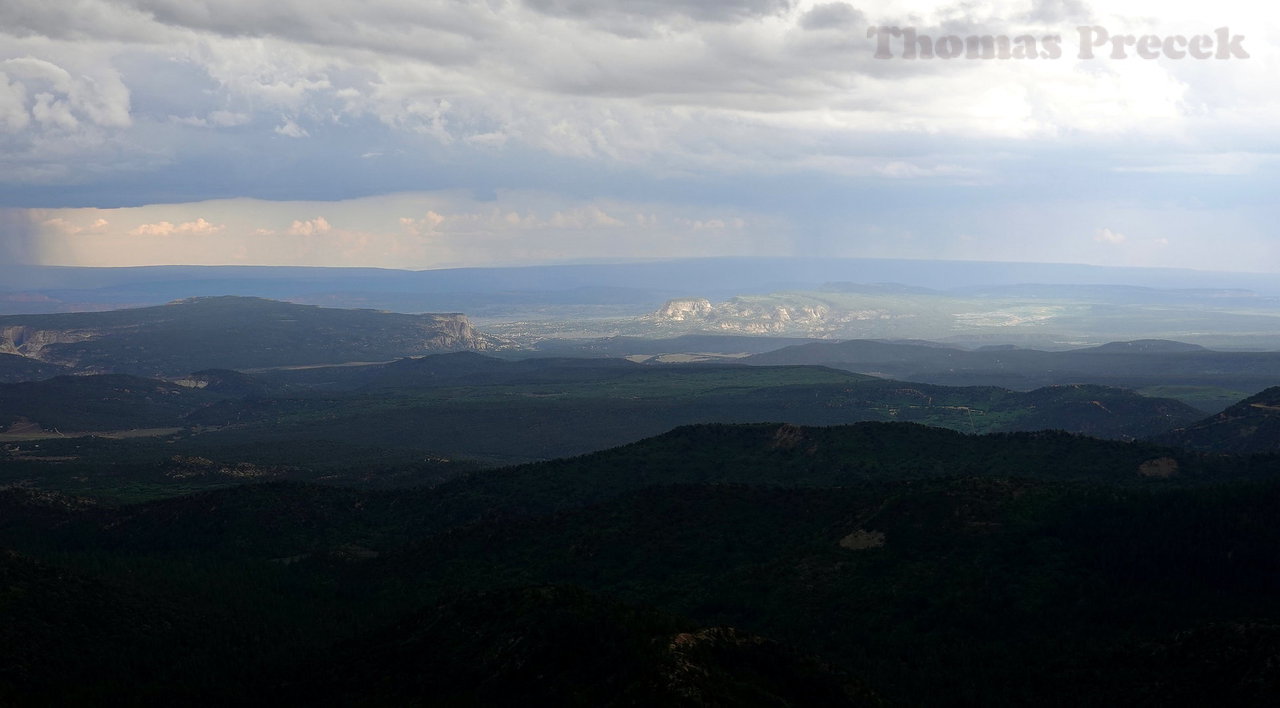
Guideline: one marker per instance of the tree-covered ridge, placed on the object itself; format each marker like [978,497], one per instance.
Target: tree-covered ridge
[229,333]
[467,406]
[1250,426]
[932,567]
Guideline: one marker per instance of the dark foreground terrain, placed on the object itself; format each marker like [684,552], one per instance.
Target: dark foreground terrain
[872,564]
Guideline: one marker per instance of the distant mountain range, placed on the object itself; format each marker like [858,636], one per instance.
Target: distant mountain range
[1133,364]
[207,392]
[243,333]
[419,421]
[1052,306]
[1040,304]
[551,405]
[61,286]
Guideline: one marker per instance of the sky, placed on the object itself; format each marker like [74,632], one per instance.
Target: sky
[419,134]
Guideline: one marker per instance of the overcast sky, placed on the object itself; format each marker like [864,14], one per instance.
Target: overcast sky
[419,134]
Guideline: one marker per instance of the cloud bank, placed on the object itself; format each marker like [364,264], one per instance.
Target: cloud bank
[770,106]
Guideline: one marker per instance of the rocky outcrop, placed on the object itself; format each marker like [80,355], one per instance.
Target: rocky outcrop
[781,314]
[684,309]
[769,318]
[453,332]
[32,342]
